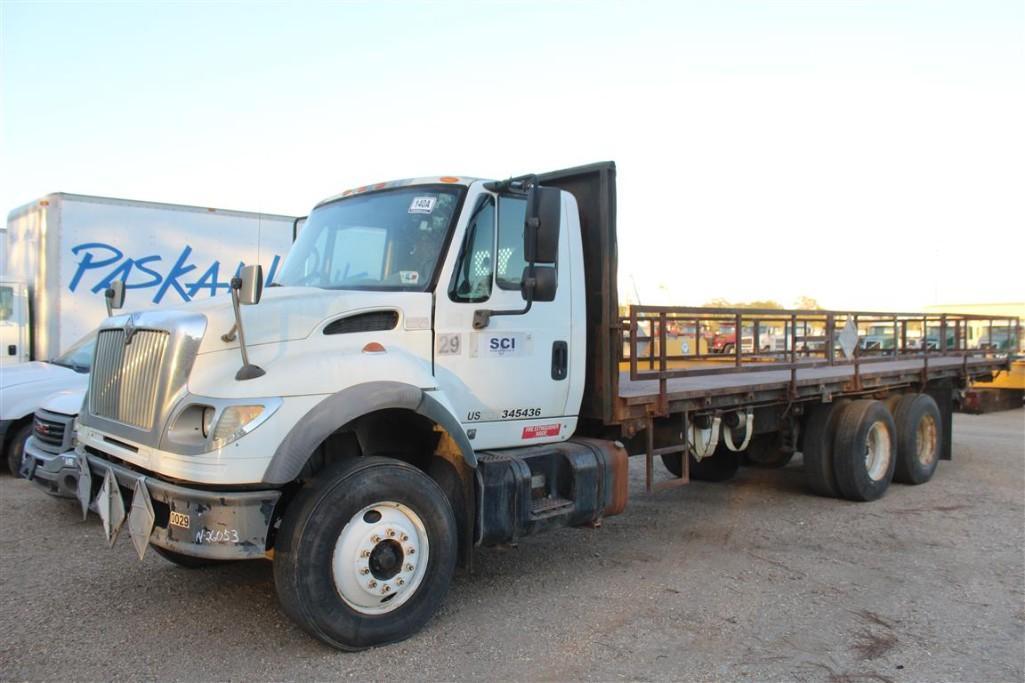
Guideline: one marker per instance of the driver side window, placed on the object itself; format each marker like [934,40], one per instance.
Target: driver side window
[475,269]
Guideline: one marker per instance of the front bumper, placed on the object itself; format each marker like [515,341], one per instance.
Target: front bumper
[216,525]
[55,473]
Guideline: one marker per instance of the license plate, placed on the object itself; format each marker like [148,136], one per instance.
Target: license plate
[179,520]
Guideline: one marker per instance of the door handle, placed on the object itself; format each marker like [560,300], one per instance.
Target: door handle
[560,360]
[12,350]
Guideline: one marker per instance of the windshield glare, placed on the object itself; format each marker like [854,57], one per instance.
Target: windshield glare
[384,240]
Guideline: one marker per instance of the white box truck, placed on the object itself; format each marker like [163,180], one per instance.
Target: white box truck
[61,252]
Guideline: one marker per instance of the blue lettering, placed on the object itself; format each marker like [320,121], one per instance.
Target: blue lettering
[269,280]
[120,273]
[88,263]
[178,270]
[494,342]
[209,281]
[140,264]
[111,264]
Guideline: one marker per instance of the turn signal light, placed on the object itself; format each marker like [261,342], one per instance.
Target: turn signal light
[373,347]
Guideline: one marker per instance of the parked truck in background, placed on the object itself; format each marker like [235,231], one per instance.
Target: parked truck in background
[436,367]
[64,250]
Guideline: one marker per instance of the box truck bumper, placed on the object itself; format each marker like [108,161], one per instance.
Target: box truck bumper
[208,524]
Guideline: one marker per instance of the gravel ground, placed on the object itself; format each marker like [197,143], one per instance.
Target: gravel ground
[754,579]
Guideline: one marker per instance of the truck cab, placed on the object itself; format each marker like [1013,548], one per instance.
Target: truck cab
[409,386]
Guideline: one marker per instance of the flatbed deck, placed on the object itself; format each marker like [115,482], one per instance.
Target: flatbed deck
[752,385]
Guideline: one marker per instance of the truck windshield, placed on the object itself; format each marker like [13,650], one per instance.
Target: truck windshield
[388,240]
[80,356]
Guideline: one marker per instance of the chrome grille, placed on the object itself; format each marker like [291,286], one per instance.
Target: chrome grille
[49,429]
[126,377]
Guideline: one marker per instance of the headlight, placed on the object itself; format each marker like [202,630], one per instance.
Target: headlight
[208,420]
[206,424]
[235,422]
[74,432]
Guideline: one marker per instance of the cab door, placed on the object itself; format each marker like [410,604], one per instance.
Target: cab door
[508,382]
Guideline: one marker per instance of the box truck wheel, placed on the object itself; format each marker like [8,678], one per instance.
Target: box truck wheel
[918,422]
[365,553]
[819,430]
[16,448]
[864,450]
[719,466]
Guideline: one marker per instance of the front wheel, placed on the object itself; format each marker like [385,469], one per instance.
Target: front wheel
[16,449]
[365,553]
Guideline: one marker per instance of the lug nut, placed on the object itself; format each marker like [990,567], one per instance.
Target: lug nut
[391,533]
[411,551]
[364,553]
[364,571]
[409,567]
[386,588]
[405,537]
[372,584]
[375,538]
[399,581]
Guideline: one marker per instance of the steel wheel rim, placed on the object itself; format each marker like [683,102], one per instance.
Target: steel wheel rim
[380,558]
[926,442]
[877,451]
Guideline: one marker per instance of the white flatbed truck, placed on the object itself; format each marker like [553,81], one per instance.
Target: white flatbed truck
[442,364]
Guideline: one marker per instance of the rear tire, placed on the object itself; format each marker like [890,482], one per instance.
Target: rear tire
[919,426]
[819,431]
[864,450]
[352,532]
[16,449]
[720,466]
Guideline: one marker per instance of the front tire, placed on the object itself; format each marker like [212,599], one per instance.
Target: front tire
[365,553]
[16,449]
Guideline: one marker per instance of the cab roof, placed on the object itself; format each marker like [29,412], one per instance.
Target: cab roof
[459,181]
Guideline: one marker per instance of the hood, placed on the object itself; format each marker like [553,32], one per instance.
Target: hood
[34,372]
[288,313]
[67,402]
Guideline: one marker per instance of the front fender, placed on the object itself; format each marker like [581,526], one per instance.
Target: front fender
[343,407]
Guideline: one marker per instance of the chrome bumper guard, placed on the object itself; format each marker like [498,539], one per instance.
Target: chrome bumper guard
[216,525]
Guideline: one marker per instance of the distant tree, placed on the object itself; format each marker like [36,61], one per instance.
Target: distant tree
[718,303]
[807,303]
[767,303]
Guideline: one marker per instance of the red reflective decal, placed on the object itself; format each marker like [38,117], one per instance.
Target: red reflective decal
[539,431]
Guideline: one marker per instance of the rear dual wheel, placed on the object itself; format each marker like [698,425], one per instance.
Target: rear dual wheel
[918,438]
[864,450]
[853,449]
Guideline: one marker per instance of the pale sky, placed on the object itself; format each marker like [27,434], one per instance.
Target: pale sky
[870,154]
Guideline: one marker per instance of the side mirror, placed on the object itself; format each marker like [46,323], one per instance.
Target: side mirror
[115,296]
[544,284]
[250,285]
[541,228]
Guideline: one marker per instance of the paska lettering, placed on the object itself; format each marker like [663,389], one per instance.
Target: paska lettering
[184,278]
